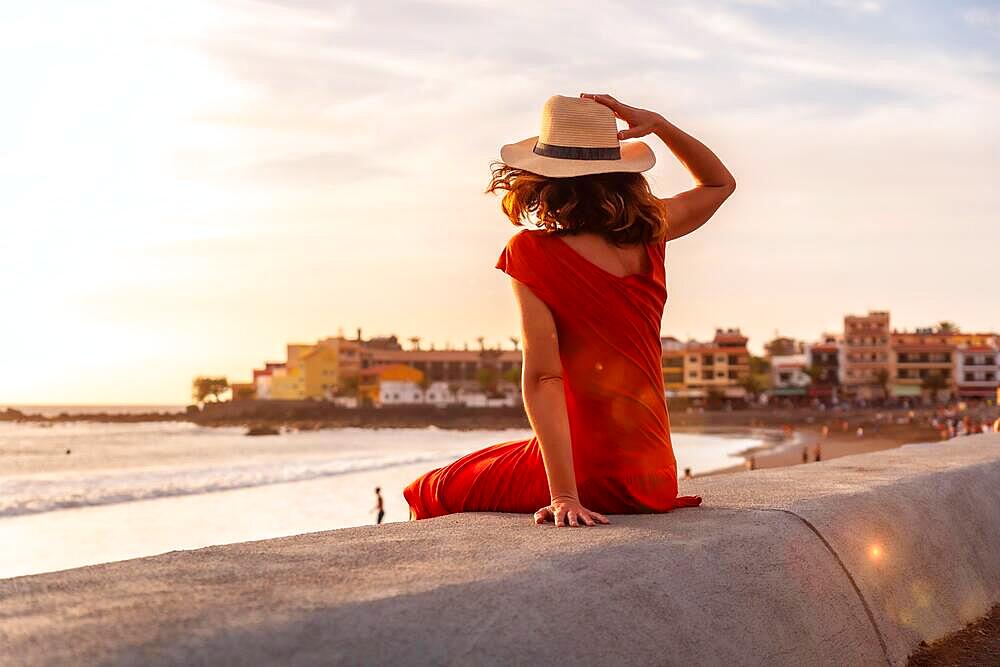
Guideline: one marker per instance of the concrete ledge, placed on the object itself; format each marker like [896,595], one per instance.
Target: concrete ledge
[852,561]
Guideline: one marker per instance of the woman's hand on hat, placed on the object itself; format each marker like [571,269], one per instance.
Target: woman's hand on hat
[640,121]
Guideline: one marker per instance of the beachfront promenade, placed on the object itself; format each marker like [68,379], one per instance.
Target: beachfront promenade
[850,561]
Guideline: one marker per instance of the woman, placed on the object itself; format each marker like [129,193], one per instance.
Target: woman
[590,287]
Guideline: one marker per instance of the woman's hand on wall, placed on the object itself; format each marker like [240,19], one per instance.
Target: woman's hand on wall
[569,512]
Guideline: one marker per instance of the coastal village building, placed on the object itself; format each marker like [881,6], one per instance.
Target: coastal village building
[922,365]
[824,368]
[672,361]
[720,367]
[401,384]
[320,372]
[868,362]
[788,376]
[866,355]
[342,370]
[262,379]
[782,346]
[391,384]
[468,368]
[977,366]
[285,386]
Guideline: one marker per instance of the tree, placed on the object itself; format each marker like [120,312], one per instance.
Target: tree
[482,342]
[815,373]
[714,397]
[513,375]
[487,378]
[424,383]
[933,384]
[349,385]
[454,388]
[752,384]
[947,327]
[759,378]
[516,341]
[203,388]
[759,366]
[415,342]
[882,377]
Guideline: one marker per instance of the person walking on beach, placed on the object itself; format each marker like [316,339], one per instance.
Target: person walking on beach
[589,282]
[379,506]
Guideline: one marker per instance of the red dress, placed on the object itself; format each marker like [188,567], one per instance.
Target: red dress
[609,344]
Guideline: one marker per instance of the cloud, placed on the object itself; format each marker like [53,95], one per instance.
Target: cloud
[331,168]
[987,18]
[859,6]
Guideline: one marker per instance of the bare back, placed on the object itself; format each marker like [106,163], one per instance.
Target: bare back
[620,261]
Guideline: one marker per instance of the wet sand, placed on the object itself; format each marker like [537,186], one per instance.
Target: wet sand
[808,445]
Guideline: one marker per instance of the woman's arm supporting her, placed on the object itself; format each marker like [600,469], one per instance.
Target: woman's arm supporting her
[691,209]
[545,403]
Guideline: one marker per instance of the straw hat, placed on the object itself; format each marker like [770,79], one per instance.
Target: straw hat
[578,137]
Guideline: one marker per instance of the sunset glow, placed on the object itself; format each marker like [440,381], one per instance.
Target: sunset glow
[185,187]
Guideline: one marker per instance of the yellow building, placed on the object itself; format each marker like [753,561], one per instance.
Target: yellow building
[286,387]
[320,370]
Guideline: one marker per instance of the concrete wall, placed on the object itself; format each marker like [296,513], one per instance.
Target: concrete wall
[847,562]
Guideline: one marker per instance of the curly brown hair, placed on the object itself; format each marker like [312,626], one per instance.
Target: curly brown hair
[619,206]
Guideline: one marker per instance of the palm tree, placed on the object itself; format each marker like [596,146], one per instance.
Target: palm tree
[415,342]
[947,327]
[482,342]
[515,340]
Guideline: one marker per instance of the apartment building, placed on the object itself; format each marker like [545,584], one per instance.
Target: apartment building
[922,365]
[672,353]
[824,360]
[467,368]
[788,375]
[867,350]
[720,366]
[977,366]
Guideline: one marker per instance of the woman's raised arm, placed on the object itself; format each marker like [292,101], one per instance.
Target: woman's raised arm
[691,209]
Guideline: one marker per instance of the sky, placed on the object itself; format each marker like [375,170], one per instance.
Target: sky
[185,187]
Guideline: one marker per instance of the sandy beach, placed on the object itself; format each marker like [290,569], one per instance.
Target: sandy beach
[131,490]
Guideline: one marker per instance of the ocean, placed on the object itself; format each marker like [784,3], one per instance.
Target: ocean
[81,493]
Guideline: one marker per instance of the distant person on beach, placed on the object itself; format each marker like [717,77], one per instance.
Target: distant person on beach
[687,473]
[589,283]
[379,506]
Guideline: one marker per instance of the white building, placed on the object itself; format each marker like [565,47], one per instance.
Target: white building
[977,371]
[400,392]
[788,376]
[478,399]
